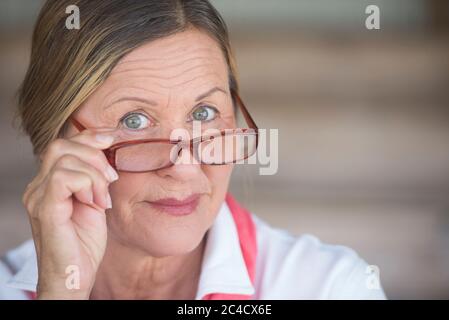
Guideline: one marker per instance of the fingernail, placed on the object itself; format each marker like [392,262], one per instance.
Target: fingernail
[105,129]
[108,201]
[112,173]
[90,197]
[103,138]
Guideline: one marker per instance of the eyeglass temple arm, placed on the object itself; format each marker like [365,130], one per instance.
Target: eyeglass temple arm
[77,124]
[245,112]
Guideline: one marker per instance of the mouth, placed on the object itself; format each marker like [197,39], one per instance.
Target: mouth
[177,207]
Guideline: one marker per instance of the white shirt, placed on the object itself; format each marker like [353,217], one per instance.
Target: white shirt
[287,267]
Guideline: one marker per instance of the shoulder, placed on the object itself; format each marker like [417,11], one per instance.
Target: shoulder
[11,264]
[303,267]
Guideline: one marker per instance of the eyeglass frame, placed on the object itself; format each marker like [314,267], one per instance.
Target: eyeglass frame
[110,152]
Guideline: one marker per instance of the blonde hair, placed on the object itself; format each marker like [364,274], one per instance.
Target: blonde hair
[66,66]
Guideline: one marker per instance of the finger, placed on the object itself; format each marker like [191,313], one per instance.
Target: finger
[85,196]
[61,185]
[59,188]
[89,154]
[99,192]
[100,138]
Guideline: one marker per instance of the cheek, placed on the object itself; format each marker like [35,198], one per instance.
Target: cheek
[127,188]
[218,177]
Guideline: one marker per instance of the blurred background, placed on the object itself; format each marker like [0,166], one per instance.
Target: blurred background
[363,120]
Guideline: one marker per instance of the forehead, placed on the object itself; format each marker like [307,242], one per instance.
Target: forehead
[188,58]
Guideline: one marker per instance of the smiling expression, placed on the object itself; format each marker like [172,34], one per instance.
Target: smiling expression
[156,88]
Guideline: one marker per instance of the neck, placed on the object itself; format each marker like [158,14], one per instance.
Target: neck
[130,273]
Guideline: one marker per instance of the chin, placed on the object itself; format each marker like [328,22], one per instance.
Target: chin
[171,245]
[160,236]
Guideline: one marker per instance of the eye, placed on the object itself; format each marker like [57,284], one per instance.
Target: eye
[135,121]
[204,113]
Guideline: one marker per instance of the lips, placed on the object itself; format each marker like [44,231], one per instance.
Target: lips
[177,207]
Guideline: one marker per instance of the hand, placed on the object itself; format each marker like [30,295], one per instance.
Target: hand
[66,203]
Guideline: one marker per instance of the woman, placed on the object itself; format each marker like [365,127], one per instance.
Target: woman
[119,208]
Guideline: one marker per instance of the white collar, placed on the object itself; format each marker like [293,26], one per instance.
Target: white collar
[223,268]
[26,276]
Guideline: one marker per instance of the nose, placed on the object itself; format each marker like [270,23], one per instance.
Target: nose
[185,168]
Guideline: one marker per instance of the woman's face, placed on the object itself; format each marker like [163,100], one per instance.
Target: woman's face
[150,92]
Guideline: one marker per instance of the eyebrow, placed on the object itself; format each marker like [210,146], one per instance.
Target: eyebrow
[154,103]
[150,102]
[209,92]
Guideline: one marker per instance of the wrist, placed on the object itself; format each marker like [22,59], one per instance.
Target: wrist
[62,295]
[59,291]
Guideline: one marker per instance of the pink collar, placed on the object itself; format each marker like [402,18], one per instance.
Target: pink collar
[247,237]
